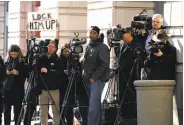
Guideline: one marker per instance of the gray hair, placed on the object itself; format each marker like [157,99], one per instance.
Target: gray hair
[158,15]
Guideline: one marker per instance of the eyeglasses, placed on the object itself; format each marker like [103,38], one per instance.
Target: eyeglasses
[66,51]
[51,46]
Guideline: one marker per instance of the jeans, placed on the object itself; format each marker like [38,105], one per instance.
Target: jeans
[94,110]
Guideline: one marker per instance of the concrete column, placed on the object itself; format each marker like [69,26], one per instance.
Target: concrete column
[154,102]
[17,21]
[2,23]
[72,16]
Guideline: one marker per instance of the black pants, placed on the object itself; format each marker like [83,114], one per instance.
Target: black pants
[129,106]
[12,100]
[67,110]
[29,113]
[1,108]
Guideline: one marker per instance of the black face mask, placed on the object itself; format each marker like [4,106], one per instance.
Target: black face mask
[92,38]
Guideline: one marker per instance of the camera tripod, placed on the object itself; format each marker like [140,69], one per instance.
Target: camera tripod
[113,84]
[112,91]
[75,75]
[31,97]
[135,66]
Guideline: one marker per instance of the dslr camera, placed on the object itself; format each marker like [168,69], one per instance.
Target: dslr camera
[115,35]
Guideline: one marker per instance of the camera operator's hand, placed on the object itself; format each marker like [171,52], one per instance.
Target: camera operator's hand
[28,32]
[15,72]
[159,53]
[44,70]
[91,80]
[8,72]
[58,25]
[139,31]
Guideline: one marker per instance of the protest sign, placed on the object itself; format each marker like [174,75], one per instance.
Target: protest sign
[42,21]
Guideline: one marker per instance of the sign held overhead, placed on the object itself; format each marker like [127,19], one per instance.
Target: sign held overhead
[42,21]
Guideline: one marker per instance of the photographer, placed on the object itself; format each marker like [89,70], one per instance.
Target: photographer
[14,83]
[2,76]
[162,59]
[157,23]
[96,72]
[51,69]
[33,94]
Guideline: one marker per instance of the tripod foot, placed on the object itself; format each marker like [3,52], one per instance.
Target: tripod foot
[128,122]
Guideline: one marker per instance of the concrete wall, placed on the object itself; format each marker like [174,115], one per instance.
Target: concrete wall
[17,20]
[72,16]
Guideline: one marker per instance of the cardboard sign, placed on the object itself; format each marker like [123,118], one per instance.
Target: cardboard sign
[42,21]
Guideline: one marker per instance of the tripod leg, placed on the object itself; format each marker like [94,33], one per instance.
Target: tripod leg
[25,99]
[51,98]
[29,114]
[108,90]
[66,97]
[119,108]
[127,81]
[55,97]
[85,85]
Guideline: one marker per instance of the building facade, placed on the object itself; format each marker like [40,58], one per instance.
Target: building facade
[78,16]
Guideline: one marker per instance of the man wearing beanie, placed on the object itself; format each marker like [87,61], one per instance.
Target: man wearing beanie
[96,72]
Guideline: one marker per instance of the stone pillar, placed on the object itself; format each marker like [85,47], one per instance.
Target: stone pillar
[154,102]
[36,5]
[2,24]
[17,21]
[72,16]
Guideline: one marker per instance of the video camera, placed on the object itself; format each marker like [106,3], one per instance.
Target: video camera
[142,21]
[76,44]
[36,50]
[158,41]
[115,35]
[76,48]
[155,46]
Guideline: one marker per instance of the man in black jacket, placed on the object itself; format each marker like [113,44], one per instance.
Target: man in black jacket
[96,72]
[127,75]
[34,93]
[52,73]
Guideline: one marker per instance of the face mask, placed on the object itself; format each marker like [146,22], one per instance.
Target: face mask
[92,38]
